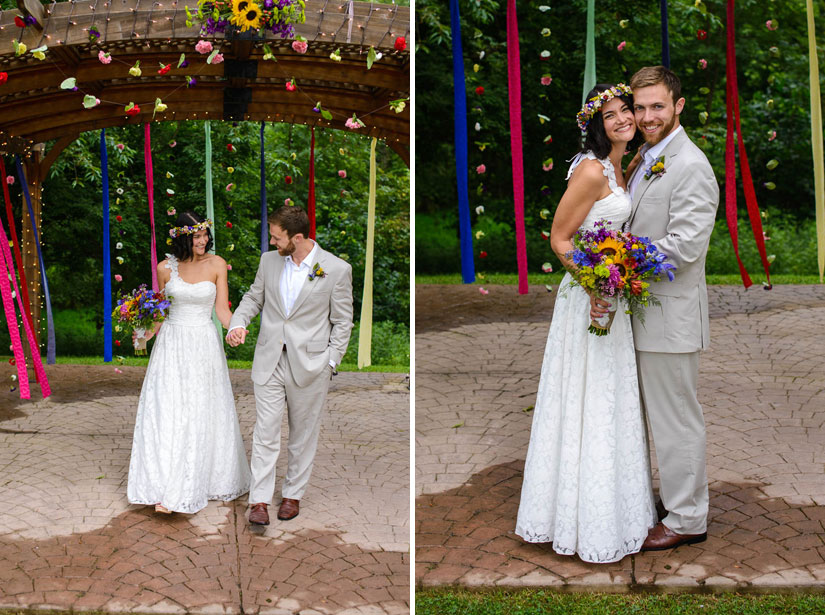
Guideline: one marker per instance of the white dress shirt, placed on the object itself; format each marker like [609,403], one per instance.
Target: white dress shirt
[295,276]
[650,154]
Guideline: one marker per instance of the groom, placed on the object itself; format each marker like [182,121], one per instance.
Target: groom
[304,296]
[676,209]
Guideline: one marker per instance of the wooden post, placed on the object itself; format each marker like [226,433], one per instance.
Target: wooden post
[31,264]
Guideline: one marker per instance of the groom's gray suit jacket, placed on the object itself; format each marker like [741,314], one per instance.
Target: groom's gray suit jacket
[315,332]
[677,211]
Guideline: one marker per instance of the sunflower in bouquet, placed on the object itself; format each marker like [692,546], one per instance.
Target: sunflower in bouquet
[613,264]
[140,310]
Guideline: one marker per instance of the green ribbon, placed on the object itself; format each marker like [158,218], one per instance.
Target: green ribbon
[210,209]
[590,51]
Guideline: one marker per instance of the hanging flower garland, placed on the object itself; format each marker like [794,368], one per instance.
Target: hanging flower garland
[216,16]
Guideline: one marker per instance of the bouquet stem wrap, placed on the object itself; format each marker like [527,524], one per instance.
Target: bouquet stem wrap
[601,326]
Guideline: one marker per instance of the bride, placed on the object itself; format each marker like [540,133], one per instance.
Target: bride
[187,446]
[587,486]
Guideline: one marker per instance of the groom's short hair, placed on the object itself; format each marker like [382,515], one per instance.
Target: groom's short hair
[292,219]
[654,75]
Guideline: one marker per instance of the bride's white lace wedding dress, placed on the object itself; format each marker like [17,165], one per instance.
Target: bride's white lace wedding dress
[187,447]
[587,479]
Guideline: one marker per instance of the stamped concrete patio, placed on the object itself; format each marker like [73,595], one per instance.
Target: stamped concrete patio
[70,541]
[762,385]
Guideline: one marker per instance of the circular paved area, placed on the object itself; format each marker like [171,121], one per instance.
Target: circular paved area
[69,539]
[762,385]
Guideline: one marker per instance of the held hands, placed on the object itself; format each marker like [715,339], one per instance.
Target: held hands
[236,336]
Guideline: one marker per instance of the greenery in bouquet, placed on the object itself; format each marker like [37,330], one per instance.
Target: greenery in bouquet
[277,16]
[140,310]
[611,264]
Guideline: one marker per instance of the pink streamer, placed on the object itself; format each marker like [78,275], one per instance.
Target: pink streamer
[514,78]
[147,156]
[14,332]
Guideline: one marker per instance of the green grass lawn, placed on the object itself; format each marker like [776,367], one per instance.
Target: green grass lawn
[554,279]
[546,602]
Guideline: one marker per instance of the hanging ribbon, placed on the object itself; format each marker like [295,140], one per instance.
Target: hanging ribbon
[365,329]
[514,81]
[13,232]
[264,223]
[107,265]
[150,190]
[6,273]
[730,164]
[590,51]
[665,38]
[461,165]
[311,197]
[210,208]
[50,344]
[816,142]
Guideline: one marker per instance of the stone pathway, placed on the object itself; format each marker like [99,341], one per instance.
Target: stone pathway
[762,385]
[70,541]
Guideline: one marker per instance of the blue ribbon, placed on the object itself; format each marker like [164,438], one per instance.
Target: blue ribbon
[24,186]
[461,164]
[665,40]
[264,224]
[107,264]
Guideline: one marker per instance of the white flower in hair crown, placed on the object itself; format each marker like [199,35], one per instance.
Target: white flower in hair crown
[189,230]
[592,106]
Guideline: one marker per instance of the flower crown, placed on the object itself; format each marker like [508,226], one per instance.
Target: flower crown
[592,106]
[189,230]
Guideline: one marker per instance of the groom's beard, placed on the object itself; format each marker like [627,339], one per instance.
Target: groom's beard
[289,249]
[661,134]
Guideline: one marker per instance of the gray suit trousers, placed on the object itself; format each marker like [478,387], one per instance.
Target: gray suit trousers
[304,407]
[667,382]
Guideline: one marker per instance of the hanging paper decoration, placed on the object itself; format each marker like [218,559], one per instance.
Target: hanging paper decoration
[816,141]
[514,81]
[460,131]
[264,223]
[730,163]
[13,232]
[150,191]
[665,38]
[365,330]
[50,345]
[590,51]
[107,273]
[311,196]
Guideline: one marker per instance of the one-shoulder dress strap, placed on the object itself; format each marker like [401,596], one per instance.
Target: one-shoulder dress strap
[610,173]
[172,265]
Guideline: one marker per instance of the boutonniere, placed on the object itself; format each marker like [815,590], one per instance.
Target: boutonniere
[317,272]
[657,169]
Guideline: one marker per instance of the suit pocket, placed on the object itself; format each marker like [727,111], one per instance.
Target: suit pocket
[316,346]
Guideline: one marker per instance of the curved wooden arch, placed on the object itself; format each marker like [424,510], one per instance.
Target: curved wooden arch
[33,108]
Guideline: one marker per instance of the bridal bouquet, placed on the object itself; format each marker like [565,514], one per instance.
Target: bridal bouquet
[612,264]
[140,309]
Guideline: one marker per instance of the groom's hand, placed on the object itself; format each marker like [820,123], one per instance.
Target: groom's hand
[598,307]
[236,336]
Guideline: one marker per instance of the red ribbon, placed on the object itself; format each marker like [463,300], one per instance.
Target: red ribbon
[16,242]
[730,165]
[311,197]
[150,189]
[514,80]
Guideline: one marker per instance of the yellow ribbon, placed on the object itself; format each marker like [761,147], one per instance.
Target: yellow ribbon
[365,332]
[816,143]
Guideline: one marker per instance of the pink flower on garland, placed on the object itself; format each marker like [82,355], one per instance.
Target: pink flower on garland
[118,277]
[621,46]
[546,80]
[703,64]
[228,267]
[218,58]
[120,146]
[10,180]
[342,174]
[771,25]
[299,46]
[481,169]
[105,58]
[203,47]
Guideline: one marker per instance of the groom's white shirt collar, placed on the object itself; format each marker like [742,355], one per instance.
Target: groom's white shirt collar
[294,276]
[650,154]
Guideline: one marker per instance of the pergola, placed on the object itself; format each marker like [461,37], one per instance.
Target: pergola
[34,110]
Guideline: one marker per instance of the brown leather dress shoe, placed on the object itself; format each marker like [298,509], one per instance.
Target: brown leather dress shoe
[258,515]
[288,509]
[662,537]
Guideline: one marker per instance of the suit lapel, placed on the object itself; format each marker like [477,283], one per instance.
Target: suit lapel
[277,273]
[671,151]
[309,285]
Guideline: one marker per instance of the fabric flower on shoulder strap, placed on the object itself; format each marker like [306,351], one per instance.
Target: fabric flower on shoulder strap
[657,168]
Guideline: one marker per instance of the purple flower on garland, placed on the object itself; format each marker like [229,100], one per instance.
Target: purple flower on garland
[316,110]
[184,64]
[29,20]
[192,82]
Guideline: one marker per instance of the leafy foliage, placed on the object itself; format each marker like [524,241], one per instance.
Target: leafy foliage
[772,77]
